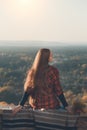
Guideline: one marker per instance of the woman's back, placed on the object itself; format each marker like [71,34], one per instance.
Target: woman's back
[46,97]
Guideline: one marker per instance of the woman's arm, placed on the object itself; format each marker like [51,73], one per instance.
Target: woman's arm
[24,98]
[63,100]
[58,89]
[21,104]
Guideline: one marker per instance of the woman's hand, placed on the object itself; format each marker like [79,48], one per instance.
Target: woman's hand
[16,109]
[69,108]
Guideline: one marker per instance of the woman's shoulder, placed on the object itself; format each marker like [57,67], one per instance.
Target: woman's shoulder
[53,68]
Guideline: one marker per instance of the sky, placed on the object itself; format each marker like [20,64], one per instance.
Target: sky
[63,21]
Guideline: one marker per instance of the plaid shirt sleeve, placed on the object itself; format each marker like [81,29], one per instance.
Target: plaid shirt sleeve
[54,75]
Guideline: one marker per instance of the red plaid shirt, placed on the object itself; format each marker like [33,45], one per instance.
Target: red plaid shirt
[49,101]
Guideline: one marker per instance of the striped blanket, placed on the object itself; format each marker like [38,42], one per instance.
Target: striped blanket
[28,119]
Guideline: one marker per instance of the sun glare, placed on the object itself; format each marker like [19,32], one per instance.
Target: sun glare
[25,2]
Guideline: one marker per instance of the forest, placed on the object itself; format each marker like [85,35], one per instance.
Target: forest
[71,62]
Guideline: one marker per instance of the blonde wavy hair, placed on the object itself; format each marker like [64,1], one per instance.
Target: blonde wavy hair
[36,77]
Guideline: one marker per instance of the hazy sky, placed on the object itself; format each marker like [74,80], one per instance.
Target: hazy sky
[44,20]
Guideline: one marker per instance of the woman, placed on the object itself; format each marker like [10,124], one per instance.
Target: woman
[42,84]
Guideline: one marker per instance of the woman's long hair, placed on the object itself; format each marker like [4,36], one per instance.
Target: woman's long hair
[36,77]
